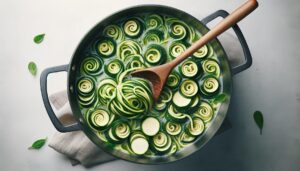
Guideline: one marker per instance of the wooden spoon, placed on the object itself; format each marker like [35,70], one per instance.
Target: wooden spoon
[158,75]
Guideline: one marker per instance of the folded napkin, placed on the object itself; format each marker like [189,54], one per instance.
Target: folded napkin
[80,149]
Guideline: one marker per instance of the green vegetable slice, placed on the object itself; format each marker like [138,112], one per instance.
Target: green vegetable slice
[161,142]
[114,67]
[153,21]
[133,28]
[114,32]
[155,55]
[196,127]
[91,66]
[128,48]
[86,91]
[138,143]
[205,112]
[106,47]
[176,49]
[210,86]
[180,101]
[189,69]
[164,98]
[153,36]
[173,80]
[120,130]
[173,128]
[210,66]
[188,88]
[99,119]
[150,126]
[106,90]
[134,61]
[133,97]
[202,52]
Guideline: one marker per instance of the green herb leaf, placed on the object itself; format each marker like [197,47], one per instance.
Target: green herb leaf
[38,144]
[39,38]
[259,120]
[219,98]
[32,68]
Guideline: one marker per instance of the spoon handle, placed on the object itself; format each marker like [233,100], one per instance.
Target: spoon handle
[221,27]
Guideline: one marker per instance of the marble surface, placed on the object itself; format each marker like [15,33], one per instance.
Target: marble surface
[271,85]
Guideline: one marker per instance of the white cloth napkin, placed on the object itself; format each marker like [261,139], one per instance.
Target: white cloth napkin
[81,150]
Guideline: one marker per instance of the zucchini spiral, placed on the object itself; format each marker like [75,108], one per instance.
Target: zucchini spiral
[189,88]
[211,67]
[173,80]
[114,32]
[86,91]
[210,85]
[196,127]
[133,28]
[91,66]
[106,47]
[153,21]
[118,132]
[205,112]
[153,36]
[173,128]
[176,49]
[128,48]
[134,61]
[114,67]
[161,142]
[155,55]
[164,98]
[201,53]
[189,69]
[99,119]
[106,90]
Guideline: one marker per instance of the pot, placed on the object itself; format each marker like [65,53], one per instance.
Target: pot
[73,67]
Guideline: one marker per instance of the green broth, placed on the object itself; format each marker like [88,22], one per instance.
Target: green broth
[115,106]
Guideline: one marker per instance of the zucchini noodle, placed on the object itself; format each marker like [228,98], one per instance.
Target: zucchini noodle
[99,119]
[114,32]
[201,53]
[173,128]
[133,97]
[176,49]
[211,67]
[205,112]
[155,55]
[133,28]
[189,68]
[161,142]
[106,90]
[173,80]
[210,85]
[114,67]
[153,21]
[195,127]
[153,36]
[189,88]
[134,61]
[86,91]
[128,48]
[164,98]
[119,131]
[106,47]
[92,66]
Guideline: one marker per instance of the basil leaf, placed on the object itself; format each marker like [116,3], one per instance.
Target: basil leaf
[39,38]
[219,98]
[259,120]
[38,144]
[32,68]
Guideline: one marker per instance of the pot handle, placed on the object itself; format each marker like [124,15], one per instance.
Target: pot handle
[43,83]
[240,36]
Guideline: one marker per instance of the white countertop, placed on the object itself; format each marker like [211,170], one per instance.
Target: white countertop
[271,85]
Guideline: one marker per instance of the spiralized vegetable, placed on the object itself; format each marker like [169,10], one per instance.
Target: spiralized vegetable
[91,66]
[205,112]
[211,67]
[128,48]
[106,47]
[210,85]
[176,49]
[114,32]
[189,69]
[173,80]
[133,28]
[155,55]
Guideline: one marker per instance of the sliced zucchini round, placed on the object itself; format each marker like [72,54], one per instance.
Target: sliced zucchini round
[150,126]
[175,115]
[180,101]
[138,143]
